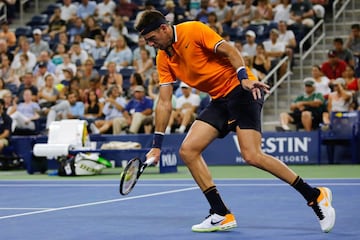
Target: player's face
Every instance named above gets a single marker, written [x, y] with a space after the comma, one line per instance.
[158, 38]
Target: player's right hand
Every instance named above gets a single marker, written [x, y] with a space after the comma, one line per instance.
[154, 152]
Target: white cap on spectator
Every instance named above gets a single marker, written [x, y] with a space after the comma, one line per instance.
[250, 33]
[37, 31]
[184, 85]
[340, 81]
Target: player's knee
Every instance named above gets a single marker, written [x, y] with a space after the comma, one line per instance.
[187, 152]
[251, 157]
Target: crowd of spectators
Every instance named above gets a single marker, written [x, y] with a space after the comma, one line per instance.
[88, 62]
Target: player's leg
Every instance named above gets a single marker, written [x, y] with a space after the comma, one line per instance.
[318, 198]
[211, 123]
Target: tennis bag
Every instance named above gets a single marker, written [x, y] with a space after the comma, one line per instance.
[82, 164]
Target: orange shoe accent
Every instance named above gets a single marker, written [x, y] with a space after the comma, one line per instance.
[228, 218]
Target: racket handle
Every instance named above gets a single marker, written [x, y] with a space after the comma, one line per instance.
[149, 161]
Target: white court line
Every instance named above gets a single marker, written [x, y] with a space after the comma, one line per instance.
[97, 203]
[174, 184]
[10, 208]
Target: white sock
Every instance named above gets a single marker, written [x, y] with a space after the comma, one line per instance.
[182, 129]
[285, 127]
[168, 130]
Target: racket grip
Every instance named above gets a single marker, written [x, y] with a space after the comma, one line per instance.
[150, 161]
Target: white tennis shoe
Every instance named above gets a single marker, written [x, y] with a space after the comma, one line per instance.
[216, 222]
[324, 210]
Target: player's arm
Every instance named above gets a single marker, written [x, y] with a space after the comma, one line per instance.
[163, 111]
[235, 58]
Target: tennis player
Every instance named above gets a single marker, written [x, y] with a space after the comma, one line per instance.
[198, 56]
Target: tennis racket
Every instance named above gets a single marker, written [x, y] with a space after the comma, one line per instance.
[133, 170]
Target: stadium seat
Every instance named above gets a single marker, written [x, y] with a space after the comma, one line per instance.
[23, 31]
[38, 20]
[344, 129]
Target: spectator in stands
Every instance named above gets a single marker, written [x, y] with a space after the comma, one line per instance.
[8, 74]
[202, 14]
[142, 45]
[213, 23]
[282, 11]
[99, 51]
[111, 78]
[5, 126]
[306, 110]
[63, 39]
[41, 73]
[288, 37]
[140, 9]
[47, 95]
[169, 12]
[265, 9]
[238, 44]
[105, 10]
[27, 83]
[137, 109]
[352, 83]
[260, 61]
[78, 55]
[248, 63]
[153, 86]
[250, 45]
[7, 35]
[86, 8]
[144, 65]
[121, 54]
[338, 101]
[67, 64]
[77, 28]
[275, 50]
[334, 67]
[343, 53]
[56, 24]
[117, 29]
[223, 12]
[57, 57]
[68, 11]
[8, 98]
[258, 19]
[302, 13]
[321, 82]
[135, 80]
[2, 87]
[113, 113]
[44, 57]
[242, 14]
[5, 50]
[24, 49]
[24, 113]
[71, 108]
[126, 9]
[353, 43]
[92, 29]
[93, 108]
[186, 108]
[22, 69]
[86, 73]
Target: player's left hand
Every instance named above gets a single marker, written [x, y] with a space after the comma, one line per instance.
[255, 87]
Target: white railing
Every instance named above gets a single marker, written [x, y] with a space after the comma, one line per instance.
[22, 3]
[313, 43]
[3, 11]
[340, 11]
[276, 83]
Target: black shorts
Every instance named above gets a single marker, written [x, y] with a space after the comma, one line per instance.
[238, 108]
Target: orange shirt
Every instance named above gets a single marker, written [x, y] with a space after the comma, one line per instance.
[195, 62]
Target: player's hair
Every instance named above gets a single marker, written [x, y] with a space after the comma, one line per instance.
[149, 21]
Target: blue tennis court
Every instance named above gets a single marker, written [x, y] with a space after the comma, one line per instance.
[166, 209]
